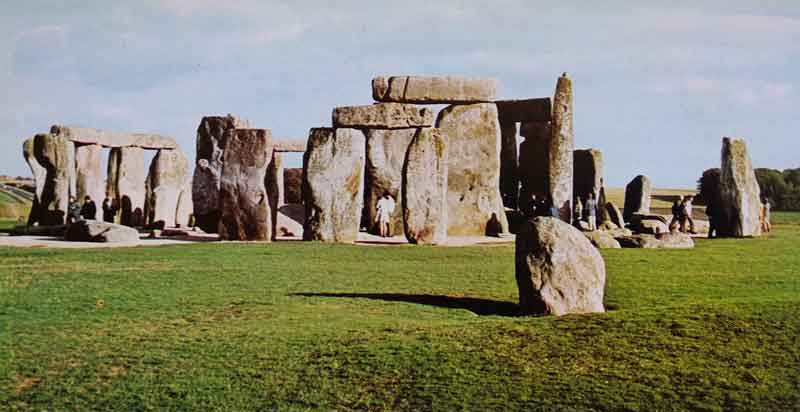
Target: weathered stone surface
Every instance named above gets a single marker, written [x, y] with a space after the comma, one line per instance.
[90, 180]
[167, 176]
[425, 177]
[383, 116]
[112, 174]
[616, 232]
[289, 146]
[208, 169]
[386, 154]
[675, 241]
[509, 181]
[472, 133]
[243, 203]
[534, 162]
[57, 155]
[274, 184]
[588, 173]
[97, 231]
[85, 135]
[333, 188]
[39, 173]
[183, 216]
[560, 149]
[637, 197]
[614, 214]
[558, 271]
[639, 241]
[739, 192]
[131, 184]
[525, 110]
[602, 240]
[648, 224]
[433, 90]
[293, 185]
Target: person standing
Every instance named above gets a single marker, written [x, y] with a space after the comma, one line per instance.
[591, 212]
[677, 215]
[89, 209]
[384, 211]
[578, 211]
[109, 210]
[687, 213]
[766, 225]
[73, 210]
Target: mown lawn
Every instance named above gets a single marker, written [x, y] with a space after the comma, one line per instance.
[299, 326]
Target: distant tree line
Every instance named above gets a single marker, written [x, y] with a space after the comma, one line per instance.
[782, 188]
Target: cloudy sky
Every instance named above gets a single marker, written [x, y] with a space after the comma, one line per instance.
[656, 86]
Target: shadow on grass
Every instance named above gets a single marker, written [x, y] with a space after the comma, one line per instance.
[480, 307]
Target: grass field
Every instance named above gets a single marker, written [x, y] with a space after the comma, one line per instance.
[300, 326]
[12, 209]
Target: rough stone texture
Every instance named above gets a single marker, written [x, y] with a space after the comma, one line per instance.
[243, 203]
[675, 241]
[383, 116]
[509, 181]
[90, 179]
[433, 90]
[533, 161]
[739, 192]
[588, 173]
[602, 240]
[57, 155]
[560, 150]
[558, 271]
[425, 188]
[39, 173]
[616, 232]
[648, 224]
[333, 189]
[293, 185]
[112, 174]
[97, 231]
[386, 154]
[289, 146]
[274, 184]
[183, 214]
[526, 110]
[131, 185]
[637, 197]
[602, 214]
[167, 176]
[614, 214]
[208, 169]
[473, 145]
[85, 135]
[639, 241]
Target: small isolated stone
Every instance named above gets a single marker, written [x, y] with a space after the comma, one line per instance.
[383, 116]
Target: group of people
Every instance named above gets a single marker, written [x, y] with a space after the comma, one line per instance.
[586, 211]
[540, 206]
[682, 214]
[88, 210]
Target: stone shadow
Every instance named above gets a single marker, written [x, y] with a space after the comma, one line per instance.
[478, 306]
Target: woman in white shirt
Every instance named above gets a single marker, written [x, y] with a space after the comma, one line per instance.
[384, 211]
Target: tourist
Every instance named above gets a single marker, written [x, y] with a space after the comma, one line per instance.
[384, 211]
[677, 215]
[530, 210]
[766, 225]
[73, 210]
[109, 210]
[687, 214]
[578, 210]
[89, 209]
[591, 212]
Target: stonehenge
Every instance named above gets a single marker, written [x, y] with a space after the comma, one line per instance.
[89, 173]
[383, 116]
[385, 156]
[433, 90]
[165, 182]
[637, 197]
[739, 192]
[424, 194]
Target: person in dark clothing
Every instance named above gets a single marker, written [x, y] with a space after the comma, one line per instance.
[712, 220]
[109, 210]
[677, 214]
[73, 210]
[89, 209]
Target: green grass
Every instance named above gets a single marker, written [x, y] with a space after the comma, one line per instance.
[300, 326]
[12, 208]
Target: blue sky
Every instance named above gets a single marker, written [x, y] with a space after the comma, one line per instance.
[656, 86]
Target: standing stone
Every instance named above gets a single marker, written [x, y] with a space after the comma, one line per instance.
[89, 175]
[168, 172]
[183, 214]
[558, 271]
[208, 169]
[473, 146]
[637, 197]
[386, 153]
[333, 190]
[131, 185]
[383, 116]
[425, 188]
[615, 216]
[57, 155]
[534, 160]
[39, 177]
[509, 181]
[293, 185]
[112, 174]
[560, 150]
[588, 173]
[602, 214]
[739, 190]
[433, 90]
[243, 203]
[274, 184]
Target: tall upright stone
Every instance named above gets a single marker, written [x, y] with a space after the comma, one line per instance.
[208, 169]
[90, 180]
[243, 202]
[534, 162]
[131, 185]
[560, 151]
[588, 173]
[637, 197]
[39, 173]
[739, 192]
[425, 188]
[183, 215]
[473, 145]
[275, 189]
[57, 155]
[509, 181]
[386, 154]
[167, 175]
[112, 174]
[333, 190]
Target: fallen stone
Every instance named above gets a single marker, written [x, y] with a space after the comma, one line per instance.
[602, 240]
[433, 90]
[526, 110]
[85, 135]
[244, 207]
[57, 155]
[675, 240]
[333, 167]
[97, 231]
[639, 241]
[166, 179]
[617, 232]
[90, 179]
[383, 116]
[558, 271]
[740, 206]
[648, 224]
[473, 145]
[637, 197]
[386, 154]
[425, 188]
